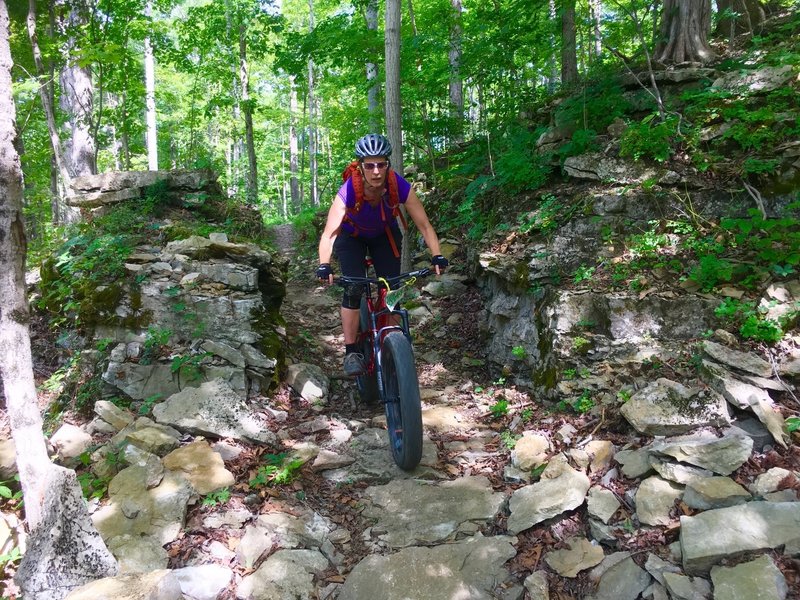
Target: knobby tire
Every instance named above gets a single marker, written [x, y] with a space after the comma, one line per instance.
[403, 409]
[367, 383]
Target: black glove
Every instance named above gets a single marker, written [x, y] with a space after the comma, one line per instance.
[440, 261]
[324, 271]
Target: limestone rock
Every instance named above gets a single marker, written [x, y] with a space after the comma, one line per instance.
[708, 537]
[308, 381]
[655, 499]
[579, 555]
[705, 450]
[537, 586]
[769, 482]
[213, 409]
[203, 582]
[743, 361]
[65, 551]
[624, 580]
[109, 412]
[762, 80]
[714, 492]
[635, 463]
[560, 489]
[602, 504]
[411, 512]
[327, 459]
[530, 451]
[8, 458]
[666, 407]
[138, 553]
[203, 467]
[158, 585]
[70, 441]
[283, 531]
[759, 578]
[681, 587]
[285, 574]
[472, 569]
[677, 472]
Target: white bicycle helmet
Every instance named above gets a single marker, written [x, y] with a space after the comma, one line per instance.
[373, 144]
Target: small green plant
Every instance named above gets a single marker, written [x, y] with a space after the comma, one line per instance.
[526, 415]
[792, 424]
[156, 339]
[499, 409]
[711, 271]
[650, 138]
[509, 439]
[570, 373]
[536, 473]
[189, 367]
[148, 403]
[10, 494]
[93, 486]
[103, 344]
[276, 471]
[519, 352]
[580, 343]
[583, 273]
[584, 403]
[585, 324]
[624, 395]
[217, 497]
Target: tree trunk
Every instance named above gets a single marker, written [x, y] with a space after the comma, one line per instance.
[456, 82]
[61, 212]
[595, 11]
[552, 60]
[16, 367]
[423, 106]
[569, 55]
[373, 86]
[312, 117]
[393, 108]
[249, 136]
[77, 94]
[150, 97]
[684, 32]
[739, 16]
[294, 183]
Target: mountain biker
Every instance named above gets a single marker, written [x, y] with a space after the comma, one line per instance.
[361, 221]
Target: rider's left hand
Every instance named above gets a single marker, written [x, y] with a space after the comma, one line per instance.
[440, 263]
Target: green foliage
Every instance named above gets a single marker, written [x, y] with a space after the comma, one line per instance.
[155, 341]
[584, 403]
[93, 486]
[650, 138]
[189, 368]
[147, 404]
[278, 470]
[583, 273]
[519, 352]
[594, 109]
[527, 415]
[750, 320]
[624, 395]
[499, 409]
[792, 424]
[216, 497]
[509, 438]
[711, 271]
[580, 343]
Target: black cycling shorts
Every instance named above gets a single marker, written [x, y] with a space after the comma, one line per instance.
[351, 252]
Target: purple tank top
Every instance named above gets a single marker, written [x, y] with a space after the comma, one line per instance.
[369, 221]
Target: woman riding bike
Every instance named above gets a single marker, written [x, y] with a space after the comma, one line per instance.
[361, 222]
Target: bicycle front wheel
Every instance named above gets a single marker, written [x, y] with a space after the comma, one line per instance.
[403, 408]
[368, 382]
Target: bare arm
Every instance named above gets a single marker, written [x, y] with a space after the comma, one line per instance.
[335, 216]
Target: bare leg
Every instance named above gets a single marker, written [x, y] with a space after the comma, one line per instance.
[350, 325]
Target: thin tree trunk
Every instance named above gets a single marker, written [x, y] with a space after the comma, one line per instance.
[394, 111]
[150, 96]
[77, 102]
[569, 56]
[294, 183]
[423, 107]
[595, 11]
[312, 114]
[16, 366]
[552, 60]
[685, 25]
[372, 71]
[62, 212]
[456, 82]
[252, 165]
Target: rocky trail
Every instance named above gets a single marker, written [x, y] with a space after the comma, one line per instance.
[660, 494]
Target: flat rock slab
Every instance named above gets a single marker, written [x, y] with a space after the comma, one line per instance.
[561, 488]
[203, 467]
[285, 574]
[722, 455]
[472, 569]
[213, 409]
[414, 512]
[710, 536]
[623, 581]
[759, 578]
[158, 585]
[743, 361]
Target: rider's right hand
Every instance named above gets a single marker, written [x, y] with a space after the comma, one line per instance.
[325, 272]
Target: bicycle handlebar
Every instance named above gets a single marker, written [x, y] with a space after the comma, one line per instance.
[345, 279]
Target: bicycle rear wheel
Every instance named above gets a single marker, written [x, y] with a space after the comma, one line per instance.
[368, 382]
[403, 409]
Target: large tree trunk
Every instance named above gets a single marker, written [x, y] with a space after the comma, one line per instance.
[595, 12]
[77, 93]
[61, 212]
[684, 32]
[423, 105]
[16, 366]
[569, 55]
[294, 182]
[372, 71]
[456, 82]
[150, 96]
[393, 108]
[312, 117]
[552, 59]
[249, 136]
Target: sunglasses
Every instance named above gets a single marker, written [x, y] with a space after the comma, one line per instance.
[370, 166]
